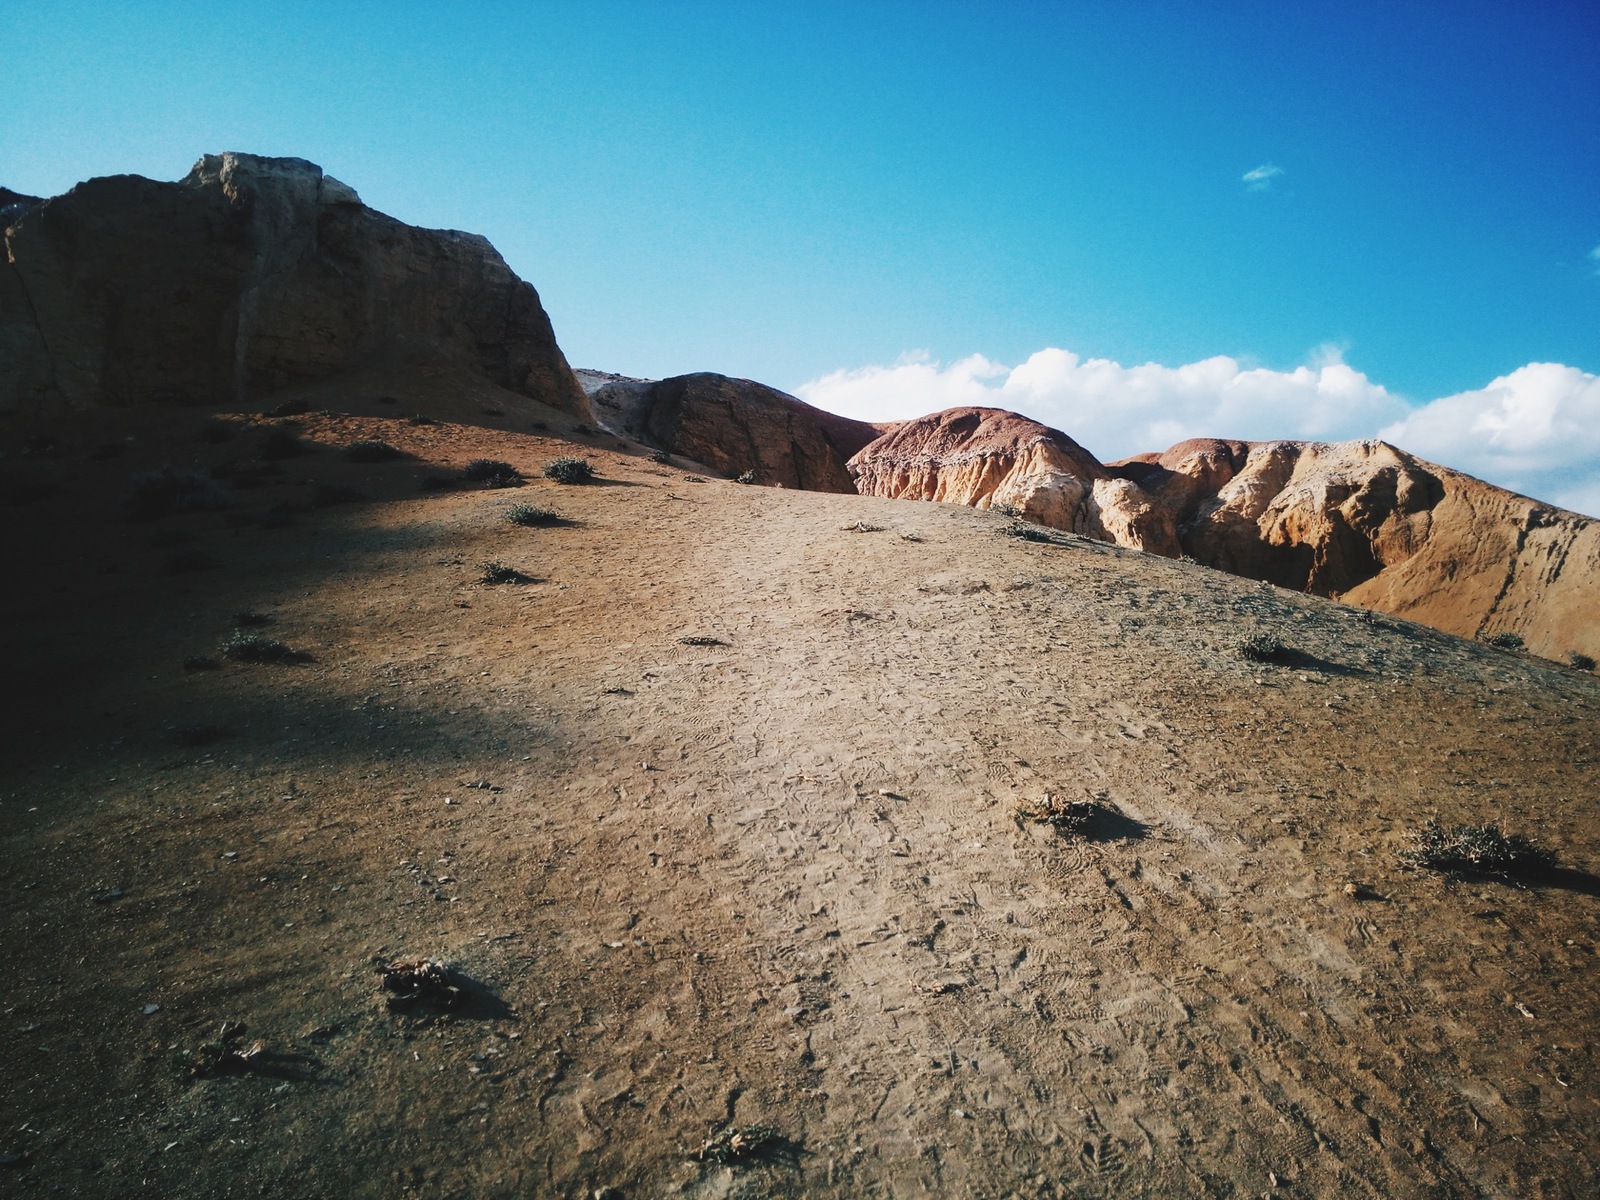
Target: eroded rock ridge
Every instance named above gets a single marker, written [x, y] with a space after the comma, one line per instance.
[1363, 521]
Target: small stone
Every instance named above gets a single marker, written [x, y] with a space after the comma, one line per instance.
[150, 1010]
[607, 1193]
[107, 896]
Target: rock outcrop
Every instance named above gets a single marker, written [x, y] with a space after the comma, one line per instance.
[735, 426]
[988, 457]
[248, 275]
[1363, 521]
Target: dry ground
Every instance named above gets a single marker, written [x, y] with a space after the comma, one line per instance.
[776, 880]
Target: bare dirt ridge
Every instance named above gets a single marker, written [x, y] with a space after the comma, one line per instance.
[712, 821]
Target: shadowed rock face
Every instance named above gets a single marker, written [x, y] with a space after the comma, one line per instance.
[736, 425]
[248, 275]
[1362, 521]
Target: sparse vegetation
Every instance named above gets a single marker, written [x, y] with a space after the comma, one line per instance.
[698, 640]
[1479, 849]
[1006, 510]
[227, 1055]
[694, 478]
[569, 469]
[158, 493]
[496, 573]
[419, 419]
[860, 527]
[737, 1143]
[1071, 817]
[1261, 647]
[747, 477]
[532, 514]
[1579, 662]
[660, 456]
[493, 473]
[254, 648]
[372, 452]
[1026, 532]
[421, 983]
[1505, 641]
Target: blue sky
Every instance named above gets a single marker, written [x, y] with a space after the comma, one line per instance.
[787, 192]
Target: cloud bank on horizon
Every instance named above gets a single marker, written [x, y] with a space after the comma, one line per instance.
[1535, 430]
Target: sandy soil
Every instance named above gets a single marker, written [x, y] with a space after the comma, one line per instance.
[775, 880]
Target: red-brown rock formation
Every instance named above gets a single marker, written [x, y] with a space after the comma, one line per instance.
[248, 275]
[988, 457]
[1363, 520]
[735, 426]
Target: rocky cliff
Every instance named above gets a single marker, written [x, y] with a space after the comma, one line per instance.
[1363, 521]
[248, 275]
[988, 457]
[735, 426]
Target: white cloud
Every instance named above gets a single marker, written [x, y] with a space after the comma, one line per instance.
[1115, 411]
[1594, 257]
[1259, 179]
[1536, 431]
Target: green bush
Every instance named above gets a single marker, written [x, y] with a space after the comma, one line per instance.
[1505, 641]
[372, 452]
[1579, 662]
[1261, 647]
[532, 514]
[569, 469]
[491, 472]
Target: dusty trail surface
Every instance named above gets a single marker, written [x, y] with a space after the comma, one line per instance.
[772, 878]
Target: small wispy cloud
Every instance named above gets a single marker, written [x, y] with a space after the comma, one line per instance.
[1594, 257]
[1259, 179]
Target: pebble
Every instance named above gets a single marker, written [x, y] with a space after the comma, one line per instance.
[106, 897]
[150, 1010]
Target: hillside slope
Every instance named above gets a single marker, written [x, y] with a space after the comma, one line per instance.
[1363, 521]
[769, 875]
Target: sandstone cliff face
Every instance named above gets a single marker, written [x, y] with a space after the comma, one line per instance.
[1363, 521]
[735, 426]
[987, 457]
[248, 275]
